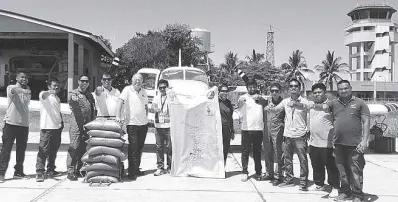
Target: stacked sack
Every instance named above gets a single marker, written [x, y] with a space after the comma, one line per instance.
[103, 161]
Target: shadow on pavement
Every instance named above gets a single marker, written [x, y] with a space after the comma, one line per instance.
[370, 197]
[232, 173]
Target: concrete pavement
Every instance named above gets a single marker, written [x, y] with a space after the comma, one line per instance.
[381, 174]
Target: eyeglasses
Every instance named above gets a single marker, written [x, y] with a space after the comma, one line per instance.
[84, 81]
[106, 79]
[274, 91]
[293, 86]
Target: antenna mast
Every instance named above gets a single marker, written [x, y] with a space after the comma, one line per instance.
[270, 54]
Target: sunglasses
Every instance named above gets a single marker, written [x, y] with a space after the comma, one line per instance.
[106, 79]
[274, 91]
[84, 81]
[163, 87]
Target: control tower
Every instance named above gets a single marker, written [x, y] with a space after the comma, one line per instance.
[371, 39]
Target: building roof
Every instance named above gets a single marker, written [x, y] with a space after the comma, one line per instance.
[64, 28]
[371, 7]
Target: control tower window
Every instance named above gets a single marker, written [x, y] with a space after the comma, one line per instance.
[363, 15]
[382, 15]
[374, 15]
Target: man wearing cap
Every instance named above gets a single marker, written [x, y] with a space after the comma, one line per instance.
[81, 103]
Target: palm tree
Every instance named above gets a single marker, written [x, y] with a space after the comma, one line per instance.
[296, 67]
[255, 57]
[329, 69]
[231, 60]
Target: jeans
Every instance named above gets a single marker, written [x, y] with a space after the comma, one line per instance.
[321, 158]
[50, 141]
[163, 145]
[136, 136]
[76, 150]
[272, 144]
[350, 164]
[300, 146]
[226, 140]
[11, 133]
[250, 138]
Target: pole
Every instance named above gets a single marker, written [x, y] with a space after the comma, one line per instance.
[179, 57]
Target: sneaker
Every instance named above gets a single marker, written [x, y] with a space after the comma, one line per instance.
[343, 197]
[356, 199]
[286, 184]
[20, 176]
[159, 172]
[268, 178]
[244, 177]
[334, 193]
[258, 177]
[1, 178]
[303, 188]
[318, 188]
[72, 177]
[39, 178]
[276, 182]
[53, 173]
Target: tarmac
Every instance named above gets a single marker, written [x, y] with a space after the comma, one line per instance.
[380, 176]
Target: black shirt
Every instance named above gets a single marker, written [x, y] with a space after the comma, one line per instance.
[226, 111]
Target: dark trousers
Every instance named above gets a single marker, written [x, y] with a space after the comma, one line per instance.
[322, 158]
[136, 136]
[50, 141]
[272, 144]
[250, 138]
[76, 150]
[163, 145]
[350, 164]
[300, 146]
[226, 140]
[11, 133]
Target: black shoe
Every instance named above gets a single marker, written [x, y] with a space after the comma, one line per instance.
[132, 177]
[303, 188]
[72, 177]
[268, 178]
[139, 173]
[276, 182]
[39, 178]
[286, 184]
[20, 176]
[53, 173]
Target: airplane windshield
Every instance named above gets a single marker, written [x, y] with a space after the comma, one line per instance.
[196, 76]
[176, 74]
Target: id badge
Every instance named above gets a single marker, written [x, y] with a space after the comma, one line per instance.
[161, 118]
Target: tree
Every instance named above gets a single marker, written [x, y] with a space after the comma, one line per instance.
[157, 49]
[296, 67]
[329, 69]
[231, 60]
[255, 57]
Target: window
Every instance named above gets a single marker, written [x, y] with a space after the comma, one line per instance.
[176, 74]
[149, 81]
[382, 15]
[195, 75]
[363, 15]
[366, 76]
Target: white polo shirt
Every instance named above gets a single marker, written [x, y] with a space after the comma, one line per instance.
[50, 112]
[251, 114]
[134, 106]
[163, 104]
[18, 108]
[106, 103]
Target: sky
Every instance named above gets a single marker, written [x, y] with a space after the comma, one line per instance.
[312, 26]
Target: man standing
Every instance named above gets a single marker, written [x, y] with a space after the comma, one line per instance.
[295, 134]
[251, 109]
[16, 126]
[160, 105]
[226, 112]
[135, 101]
[51, 126]
[321, 143]
[273, 138]
[106, 97]
[81, 103]
[351, 125]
